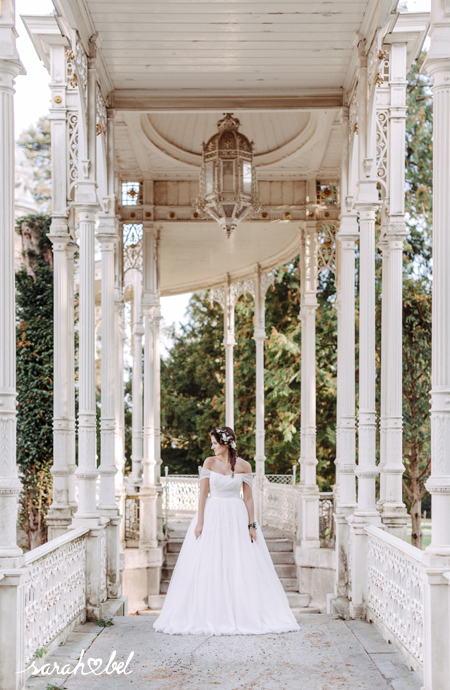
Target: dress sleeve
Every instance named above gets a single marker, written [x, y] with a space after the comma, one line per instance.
[248, 479]
[204, 473]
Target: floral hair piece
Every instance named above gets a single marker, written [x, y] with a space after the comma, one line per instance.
[227, 440]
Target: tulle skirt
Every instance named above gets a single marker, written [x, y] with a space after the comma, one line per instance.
[223, 584]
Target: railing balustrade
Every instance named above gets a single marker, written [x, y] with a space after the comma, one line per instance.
[396, 593]
[54, 591]
[132, 520]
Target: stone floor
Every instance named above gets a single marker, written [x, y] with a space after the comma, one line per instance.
[327, 654]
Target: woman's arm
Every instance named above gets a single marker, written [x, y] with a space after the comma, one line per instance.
[204, 488]
[248, 500]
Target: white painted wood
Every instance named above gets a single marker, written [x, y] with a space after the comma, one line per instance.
[308, 532]
[10, 68]
[137, 334]
[345, 421]
[394, 515]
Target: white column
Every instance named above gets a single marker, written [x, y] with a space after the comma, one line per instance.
[345, 423]
[260, 336]
[157, 413]
[437, 593]
[138, 332]
[308, 533]
[59, 515]
[72, 247]
[384, 248]
[394, 515]
[11, 558]
[107, 237]
[366, 471]
[86, 205]
[229, 343]
[10, 67]
[87, 471]
[148, 537]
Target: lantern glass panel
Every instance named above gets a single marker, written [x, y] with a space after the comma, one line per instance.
[228, 182]
[209, 188]
[247, 177]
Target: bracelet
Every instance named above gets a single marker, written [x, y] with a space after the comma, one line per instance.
[252, 525]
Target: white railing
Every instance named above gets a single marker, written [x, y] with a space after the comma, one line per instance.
[396, 592]
[54, 590]
[181, 494]
[279, 502]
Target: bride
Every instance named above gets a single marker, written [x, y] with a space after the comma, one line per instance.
[224, 581]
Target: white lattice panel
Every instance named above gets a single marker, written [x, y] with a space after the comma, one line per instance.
[279, 505]
[181, 494]
[395, 589]
[54, 593]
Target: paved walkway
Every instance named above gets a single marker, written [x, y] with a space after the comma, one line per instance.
[327, 654]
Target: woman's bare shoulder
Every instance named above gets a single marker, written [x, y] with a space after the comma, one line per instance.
[244, 466]
[209, 463]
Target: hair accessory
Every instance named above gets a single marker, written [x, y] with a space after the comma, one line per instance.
[226, 438]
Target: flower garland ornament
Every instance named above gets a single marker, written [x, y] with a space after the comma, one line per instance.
[226, 438]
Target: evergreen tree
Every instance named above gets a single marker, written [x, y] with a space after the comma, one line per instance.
[34, 299]
[36, 143]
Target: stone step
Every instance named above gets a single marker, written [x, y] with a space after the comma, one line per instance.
[290, 584]
[166, 573]
[282, 557]
[284, 571]
[279, 545]
[297, 600]
[174, 545]
[164, 586]
[170, 560]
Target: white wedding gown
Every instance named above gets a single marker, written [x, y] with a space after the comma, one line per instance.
[223, 584]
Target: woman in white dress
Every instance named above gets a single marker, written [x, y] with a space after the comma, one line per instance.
[224, 581]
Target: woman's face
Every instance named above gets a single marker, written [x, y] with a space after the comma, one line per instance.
[218, 448]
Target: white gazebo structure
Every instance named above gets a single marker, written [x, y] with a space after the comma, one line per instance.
[136, 88]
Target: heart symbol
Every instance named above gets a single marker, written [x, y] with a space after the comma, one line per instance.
[96, 663]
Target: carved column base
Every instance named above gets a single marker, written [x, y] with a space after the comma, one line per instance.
[395, 519]
[96, 583]
[58, 521]
[148, 518]
[308, 532]
[342, 549]
[357, 557]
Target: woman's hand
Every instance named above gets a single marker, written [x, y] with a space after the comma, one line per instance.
[252, 533]
[198, 529]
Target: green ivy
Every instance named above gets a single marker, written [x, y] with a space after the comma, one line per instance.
[34, 333]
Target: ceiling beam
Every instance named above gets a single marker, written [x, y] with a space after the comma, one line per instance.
[148, 101]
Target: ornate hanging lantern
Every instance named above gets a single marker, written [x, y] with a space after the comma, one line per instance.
[228, 191]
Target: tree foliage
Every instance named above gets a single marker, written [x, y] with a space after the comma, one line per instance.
[34, 299]
[36, 143]
[193, 379]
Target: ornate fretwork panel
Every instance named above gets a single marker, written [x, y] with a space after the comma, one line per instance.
[72, 119]
[396, 594]
[267, 280]
[353, 115]
[77, 68]
[326, 247]
[237, 289]
[381, 144]
[279, 504]
[54, 594]
[101, 116]
[133, 246]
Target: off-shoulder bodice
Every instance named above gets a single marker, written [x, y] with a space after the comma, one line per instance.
[225, 485]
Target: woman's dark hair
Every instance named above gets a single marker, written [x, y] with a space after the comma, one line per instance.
[226, 436]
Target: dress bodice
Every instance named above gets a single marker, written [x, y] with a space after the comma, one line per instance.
[225, 485]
